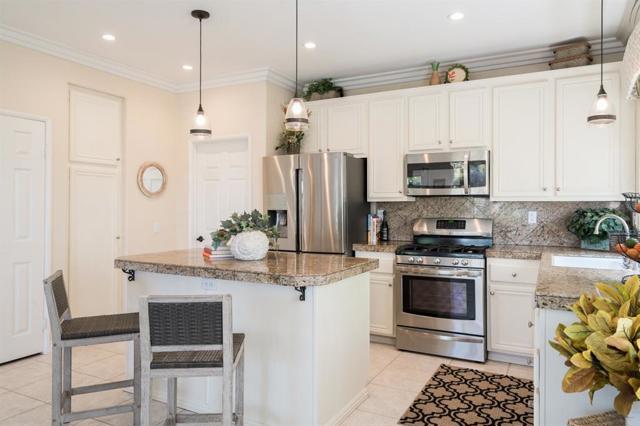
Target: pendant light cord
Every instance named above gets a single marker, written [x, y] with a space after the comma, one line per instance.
[601, 44]
[296, 91]
[200, 67]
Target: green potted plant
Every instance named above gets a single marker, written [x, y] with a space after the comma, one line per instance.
[602, 347]
[247, 235]
[583, 223]
[290, 141]
[324, 88]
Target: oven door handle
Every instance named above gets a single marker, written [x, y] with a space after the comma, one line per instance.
[466, 173]
[436, 272]
[447, 338]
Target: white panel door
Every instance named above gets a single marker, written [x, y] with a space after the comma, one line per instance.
[427, 123]
[587, 157]
[387, 143]
[22, 236]
[469, 118]
[95, 130]
[511, 311]
[222, 184]
[94, 240]
[347, 128]
[314, 136]
[523, 157]
[381, 304]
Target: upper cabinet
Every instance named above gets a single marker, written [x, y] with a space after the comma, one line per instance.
[339, 127]
[523, 129]
[428, 122]
[314, 137]
[469, 118]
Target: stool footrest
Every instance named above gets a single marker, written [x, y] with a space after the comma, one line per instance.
[100, 387]
[197, 418]
[97, 412]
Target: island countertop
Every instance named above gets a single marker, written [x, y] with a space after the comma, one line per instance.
[281, 268]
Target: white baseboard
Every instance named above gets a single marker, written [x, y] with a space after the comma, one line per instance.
[341, 416]
[382, 339]
[513, 359]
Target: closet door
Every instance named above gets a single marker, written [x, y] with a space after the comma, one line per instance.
[95, 207]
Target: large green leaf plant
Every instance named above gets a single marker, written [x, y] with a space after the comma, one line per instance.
[602, 347]
[246, 221]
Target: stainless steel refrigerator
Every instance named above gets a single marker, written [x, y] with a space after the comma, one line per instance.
[318, 201]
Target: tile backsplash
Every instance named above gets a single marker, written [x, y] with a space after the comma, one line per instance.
[510, 219]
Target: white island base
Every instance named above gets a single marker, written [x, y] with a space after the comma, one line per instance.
[306, 362]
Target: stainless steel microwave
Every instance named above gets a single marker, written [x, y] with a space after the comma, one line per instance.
[448, 173]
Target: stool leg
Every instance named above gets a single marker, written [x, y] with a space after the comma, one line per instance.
[240, 391]
[136, 381]
[145, 398]
[66, 380]
[172, 397]
[56, 385]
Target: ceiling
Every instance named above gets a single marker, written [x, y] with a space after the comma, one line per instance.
[353, 37]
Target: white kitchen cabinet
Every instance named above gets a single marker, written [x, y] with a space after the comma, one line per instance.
[511, 305]
[587, 158]
[469, 118]
[523, 143]
[387, 142]
[428, 123]
[315, 136]
[381, 282]
[347, 128]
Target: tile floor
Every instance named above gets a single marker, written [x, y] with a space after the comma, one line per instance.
[395, 378]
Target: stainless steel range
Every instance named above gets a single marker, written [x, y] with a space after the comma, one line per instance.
[440, 288]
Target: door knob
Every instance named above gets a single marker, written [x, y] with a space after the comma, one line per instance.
[492, 293]
[200, 239]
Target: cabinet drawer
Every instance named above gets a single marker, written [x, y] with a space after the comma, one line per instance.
[513, 271]
[385, 260]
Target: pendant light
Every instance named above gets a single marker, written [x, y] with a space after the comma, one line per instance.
[296, 118]
[201, 127]
[602, 111]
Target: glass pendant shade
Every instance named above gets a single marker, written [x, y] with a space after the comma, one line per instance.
[602, 111]
[201, 124]
[297, 117]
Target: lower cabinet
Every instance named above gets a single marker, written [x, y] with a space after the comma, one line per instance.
[511, 306]
[382, 320]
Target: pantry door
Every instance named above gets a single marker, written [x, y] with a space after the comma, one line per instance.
[220, 184]
[23, 236]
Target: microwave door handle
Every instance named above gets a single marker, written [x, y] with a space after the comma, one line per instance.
[466, 173]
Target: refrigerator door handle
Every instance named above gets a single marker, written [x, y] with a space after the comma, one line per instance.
[299, 231]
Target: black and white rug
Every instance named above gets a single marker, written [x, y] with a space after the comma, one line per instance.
[460, 396]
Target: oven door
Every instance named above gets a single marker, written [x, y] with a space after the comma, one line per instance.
[442, 299]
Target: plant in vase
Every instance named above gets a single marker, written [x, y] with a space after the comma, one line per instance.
[248, 235]
[602, 347]
[324, 88]
[290, 141]
[435, 73]
[583, 223]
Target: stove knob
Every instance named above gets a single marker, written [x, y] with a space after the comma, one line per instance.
[465, 262]
[455, 261]
[436, 261]
[419, 260]
[411, 260]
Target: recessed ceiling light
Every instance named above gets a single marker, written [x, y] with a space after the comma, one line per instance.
[456, 16]
[187, 67]
[310, 45]
[108, 37]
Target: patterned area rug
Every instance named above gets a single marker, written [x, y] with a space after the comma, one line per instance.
[461, 396]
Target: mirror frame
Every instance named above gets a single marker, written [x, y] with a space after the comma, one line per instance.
[141, 171]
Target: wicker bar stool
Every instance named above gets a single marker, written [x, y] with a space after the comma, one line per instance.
[191, 336]
[67, 333]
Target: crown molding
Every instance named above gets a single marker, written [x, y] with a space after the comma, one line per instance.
[243, 77]
[475, 64]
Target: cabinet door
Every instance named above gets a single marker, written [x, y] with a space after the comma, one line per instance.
[587, 158]
[523, 141]
[347, 128]
[511, 312]
[427, 123]
[387, 143]
[314, 136]
[381, 304]
[469, 118]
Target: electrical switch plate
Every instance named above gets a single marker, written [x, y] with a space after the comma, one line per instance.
[533, 217]
[208, 284]
[156, 227]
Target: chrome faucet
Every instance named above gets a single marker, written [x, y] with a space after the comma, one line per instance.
[611, 216]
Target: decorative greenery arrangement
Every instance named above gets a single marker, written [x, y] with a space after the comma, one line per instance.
[602, 348]
[290, 141]
[237, 223]
[583, 223]
[321, 87]
[435, 66]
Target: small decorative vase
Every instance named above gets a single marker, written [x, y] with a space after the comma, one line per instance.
[435, 75]
[633, 419]
[249, 245]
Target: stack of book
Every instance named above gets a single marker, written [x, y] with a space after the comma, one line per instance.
[221, 252]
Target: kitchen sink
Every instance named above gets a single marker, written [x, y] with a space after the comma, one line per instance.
[588, 262]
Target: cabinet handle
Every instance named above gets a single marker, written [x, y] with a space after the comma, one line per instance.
[328, 150]
[492, 292]
[117, 159]
[515, 274]
[118, 237]
[439, 142]
[558, 188]
[529, 361]
[319, 149]
[544, 188]
[530, 324]
[399, 191]
[390, 285]
[451, 141]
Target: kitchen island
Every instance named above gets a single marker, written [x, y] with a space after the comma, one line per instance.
[306, 321]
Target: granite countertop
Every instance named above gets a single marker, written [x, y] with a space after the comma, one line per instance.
[281, 268]
[559, 287]
[382, 247]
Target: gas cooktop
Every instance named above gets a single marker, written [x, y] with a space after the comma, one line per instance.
[441, 250]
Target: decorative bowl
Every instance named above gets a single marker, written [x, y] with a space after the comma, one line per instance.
[249, 245]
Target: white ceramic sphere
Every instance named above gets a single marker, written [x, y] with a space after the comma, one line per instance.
[249, 245]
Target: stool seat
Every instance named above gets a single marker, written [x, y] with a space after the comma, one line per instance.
[195, 359]
[100, 326]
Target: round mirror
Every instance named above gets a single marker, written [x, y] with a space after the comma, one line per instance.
[151, 179]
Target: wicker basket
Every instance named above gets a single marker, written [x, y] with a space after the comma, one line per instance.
[572, 61]
[570, 50]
